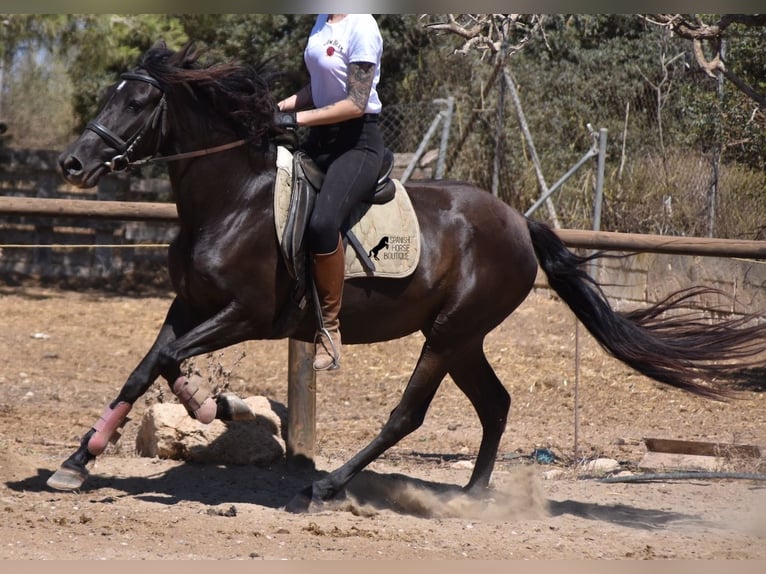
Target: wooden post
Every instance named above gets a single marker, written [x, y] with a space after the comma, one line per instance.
[301, 403]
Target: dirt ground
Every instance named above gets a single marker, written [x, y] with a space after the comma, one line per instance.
[64, 355]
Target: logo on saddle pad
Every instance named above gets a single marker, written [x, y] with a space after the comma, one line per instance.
[381, 240]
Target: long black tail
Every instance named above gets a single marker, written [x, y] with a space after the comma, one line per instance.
[681, 349]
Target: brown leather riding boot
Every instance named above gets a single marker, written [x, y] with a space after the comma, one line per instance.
[328, 270]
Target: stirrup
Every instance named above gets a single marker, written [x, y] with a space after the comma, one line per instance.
[333, 350]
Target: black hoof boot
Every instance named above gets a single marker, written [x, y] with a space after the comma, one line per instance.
[74, 471]
[68, 477]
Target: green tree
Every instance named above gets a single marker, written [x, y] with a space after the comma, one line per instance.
[101, 46]
[38, 117]
[280, 39]
[104, 45]
[25, 33]
[729, 57]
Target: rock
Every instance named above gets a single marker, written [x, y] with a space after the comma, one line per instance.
[601, 466]
[553, 474]
[167, 431]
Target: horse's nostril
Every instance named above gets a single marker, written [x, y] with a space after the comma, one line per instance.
[71, 165]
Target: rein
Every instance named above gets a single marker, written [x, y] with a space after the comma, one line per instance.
[121, 161]
[190, 154]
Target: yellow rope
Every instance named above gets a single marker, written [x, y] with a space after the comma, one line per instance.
[87, 246]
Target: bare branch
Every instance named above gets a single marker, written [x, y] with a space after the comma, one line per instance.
[692, 27]
[710, 66]
[490, 33]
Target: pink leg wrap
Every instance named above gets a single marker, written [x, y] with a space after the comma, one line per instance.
[195, 398]
[111, 419]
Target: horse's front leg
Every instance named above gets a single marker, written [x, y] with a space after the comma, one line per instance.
[179, 338]
[73, 472]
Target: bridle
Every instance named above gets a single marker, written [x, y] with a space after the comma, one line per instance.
[122, 161]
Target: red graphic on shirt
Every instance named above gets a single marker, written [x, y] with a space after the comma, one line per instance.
[330, 50]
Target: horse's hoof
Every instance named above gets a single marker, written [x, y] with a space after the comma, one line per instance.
[67, 479]
[232, 408]
[300, 503]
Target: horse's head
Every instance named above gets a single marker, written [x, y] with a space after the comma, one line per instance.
[165, 96]
[127, 128]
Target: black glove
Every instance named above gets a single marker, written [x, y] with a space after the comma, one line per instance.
[285, 120]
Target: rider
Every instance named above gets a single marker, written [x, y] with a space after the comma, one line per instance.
[340, 106]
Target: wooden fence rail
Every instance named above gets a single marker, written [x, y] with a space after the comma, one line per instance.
[601, 240]
[121, 210]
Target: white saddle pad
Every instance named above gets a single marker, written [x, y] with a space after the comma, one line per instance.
[389, 233]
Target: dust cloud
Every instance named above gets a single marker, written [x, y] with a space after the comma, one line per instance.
[517, 496]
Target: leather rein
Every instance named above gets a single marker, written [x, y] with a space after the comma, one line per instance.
[122, 161]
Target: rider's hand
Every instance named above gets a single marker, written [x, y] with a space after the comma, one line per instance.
[285, 120]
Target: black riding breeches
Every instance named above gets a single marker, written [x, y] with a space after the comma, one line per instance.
[351, 153]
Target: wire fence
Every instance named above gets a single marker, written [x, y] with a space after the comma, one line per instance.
[404, 126]
[658, 179]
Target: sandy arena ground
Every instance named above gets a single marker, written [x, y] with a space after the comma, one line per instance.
[64, 355]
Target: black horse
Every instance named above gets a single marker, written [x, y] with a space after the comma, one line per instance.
[213, 124]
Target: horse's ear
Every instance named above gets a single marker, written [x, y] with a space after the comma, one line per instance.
[160, 44]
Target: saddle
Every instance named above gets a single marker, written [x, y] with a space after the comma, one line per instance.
[382, 233]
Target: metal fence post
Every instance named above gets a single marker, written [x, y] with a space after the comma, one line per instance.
[442, 161]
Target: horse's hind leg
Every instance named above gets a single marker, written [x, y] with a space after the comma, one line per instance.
[404, 419]
[474, 376]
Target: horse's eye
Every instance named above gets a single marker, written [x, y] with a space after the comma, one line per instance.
[134, 106]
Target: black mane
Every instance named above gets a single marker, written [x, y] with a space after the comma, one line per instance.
[241, 93]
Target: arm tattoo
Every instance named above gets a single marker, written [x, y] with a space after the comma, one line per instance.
[360, 76]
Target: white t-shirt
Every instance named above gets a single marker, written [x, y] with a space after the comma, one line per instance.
[330, 49]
